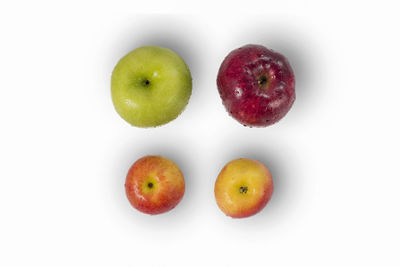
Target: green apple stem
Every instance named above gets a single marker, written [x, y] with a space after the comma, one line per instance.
[146, 82]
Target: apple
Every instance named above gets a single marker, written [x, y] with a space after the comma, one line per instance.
[243, 188]
[256, 85]
[154, 185]
[150, 86]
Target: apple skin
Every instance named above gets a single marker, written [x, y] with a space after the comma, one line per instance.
[256, 85]
[154, 185]
[150, 86]
[243, 188]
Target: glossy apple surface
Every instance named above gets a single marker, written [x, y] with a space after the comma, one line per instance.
[243, 188]
[154, 185]
[256, 85]
[150, 86]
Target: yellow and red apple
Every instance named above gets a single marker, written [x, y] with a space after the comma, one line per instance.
[243, 188]
[154, 185]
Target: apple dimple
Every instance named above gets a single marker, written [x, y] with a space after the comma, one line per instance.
[263, 81]
[145, 82]
[243, 189]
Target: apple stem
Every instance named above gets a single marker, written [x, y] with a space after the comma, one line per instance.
[243, 190]
[150, 185]
[146, 82]
[262, 80]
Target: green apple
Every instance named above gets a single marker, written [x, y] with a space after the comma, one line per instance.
[150, 86]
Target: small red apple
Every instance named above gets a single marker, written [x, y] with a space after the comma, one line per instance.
[154, 185]
[256, 85]
[243, 188]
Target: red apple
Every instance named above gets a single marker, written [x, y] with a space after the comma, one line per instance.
[243, 188]
[256, 85]
[154, 185]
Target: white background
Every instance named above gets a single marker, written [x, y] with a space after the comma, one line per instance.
[64, 151]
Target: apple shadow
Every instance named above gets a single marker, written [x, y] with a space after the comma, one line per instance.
[282, 164]
[175, 150]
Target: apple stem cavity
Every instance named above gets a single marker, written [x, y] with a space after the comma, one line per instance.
[263, 80]
[150, 185]
[243, 189]
[146, 82]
